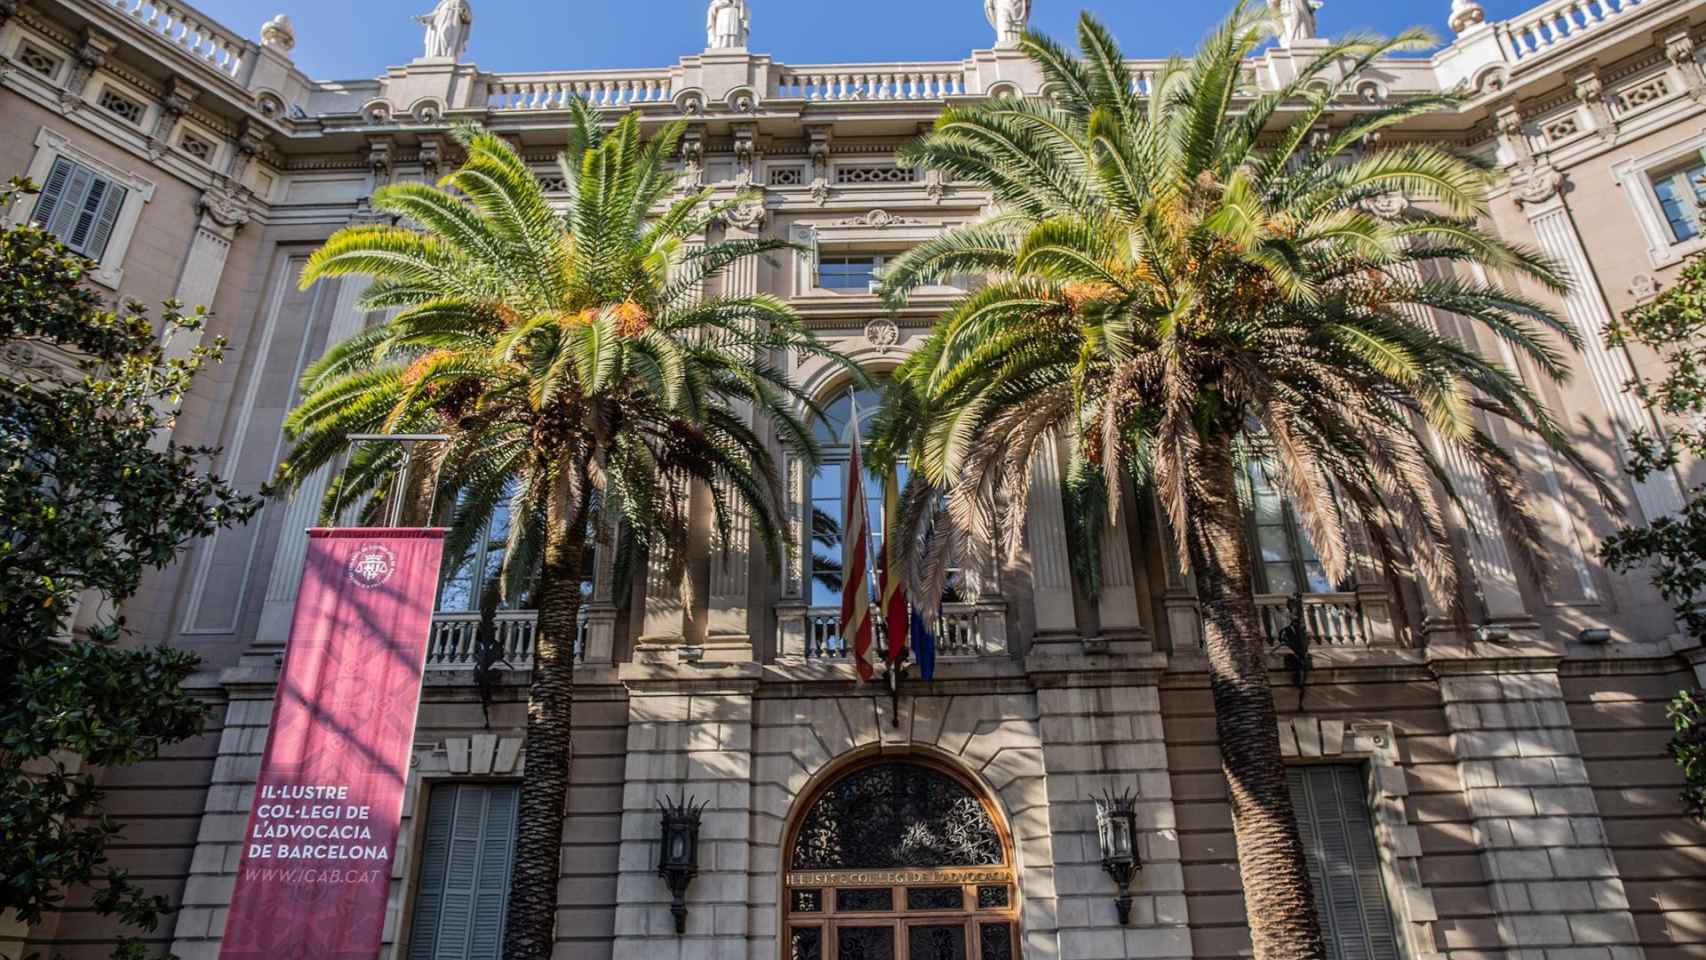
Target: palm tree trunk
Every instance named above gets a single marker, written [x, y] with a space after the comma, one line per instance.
[530, 921]
[1278, 899]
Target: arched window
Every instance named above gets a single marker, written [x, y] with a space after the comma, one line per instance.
[899, 860]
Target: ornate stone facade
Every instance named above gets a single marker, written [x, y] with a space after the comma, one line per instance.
[1516, 783]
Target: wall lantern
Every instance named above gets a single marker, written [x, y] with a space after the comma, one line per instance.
[678, 856]
[1116, 831]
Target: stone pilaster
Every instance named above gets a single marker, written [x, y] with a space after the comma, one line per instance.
[1111, 738]
[692, 744]
[1045, 535]
[222, 213]
[728, 623]
[304, 506]
[1120, 604]
[1554, 887]
[1540, 191]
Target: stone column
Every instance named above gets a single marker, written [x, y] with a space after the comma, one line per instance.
[693, 744]
[303, 508]
[1539, 190]
[1111, 738]
[601, 609]
[728, 623]
[1119, 605]
[791, 609]
[1045, 535]
[1554, 886]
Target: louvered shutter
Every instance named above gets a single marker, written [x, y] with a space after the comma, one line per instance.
[52, 192]
[464, 877]
[79, 206]
[105, 217]
[1344, 864]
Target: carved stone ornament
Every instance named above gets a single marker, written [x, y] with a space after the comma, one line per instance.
[882, 334]
[1643, 287]
[1390, 204]
[224, 206]
[8, 9]
[1466, 14]
[746, 215]
[279, 34]
[448, 25]
[820, 190]
[1538, 184]
[878, 219]
[1009, 18]
[935, 185]
[727, 25]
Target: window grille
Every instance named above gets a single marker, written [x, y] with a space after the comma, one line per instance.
[121, 106]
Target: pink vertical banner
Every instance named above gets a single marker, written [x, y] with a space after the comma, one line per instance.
[316, 865]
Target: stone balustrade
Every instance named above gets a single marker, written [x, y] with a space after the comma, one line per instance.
[1521, 39]
[451, 643]
[1539, 30]
[603, 89]
[1333, 619]
[191, 31]
[957, 634]
[874, 81]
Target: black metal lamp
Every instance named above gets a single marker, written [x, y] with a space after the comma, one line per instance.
[678, 857]
[1116, 832]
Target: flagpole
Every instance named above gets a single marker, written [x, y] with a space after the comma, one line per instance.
[892, 673]
[870, 548]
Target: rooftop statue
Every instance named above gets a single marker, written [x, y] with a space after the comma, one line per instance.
[1009, 18]
[1294, 20]
[726, 24]
[447, 27]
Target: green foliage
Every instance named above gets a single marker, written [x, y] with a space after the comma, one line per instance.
[89, 500]
[546, 342]
[1688, 716]
[1672, 548]
[1158, 282]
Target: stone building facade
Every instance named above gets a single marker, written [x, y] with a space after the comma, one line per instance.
[1492, 785]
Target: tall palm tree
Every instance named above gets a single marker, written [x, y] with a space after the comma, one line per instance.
[1191, 275]
[579, 371]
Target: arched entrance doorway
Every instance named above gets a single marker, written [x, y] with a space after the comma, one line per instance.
[899, 859]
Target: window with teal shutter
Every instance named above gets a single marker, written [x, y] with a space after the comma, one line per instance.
[464, 874]
[79, 206]
[1344, 865]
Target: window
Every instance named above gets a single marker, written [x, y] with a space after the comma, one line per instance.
[1285, 560]
[463, 885]
[1680, 192]
[931, 879]
[849, 273]
[37, 60]
[79, 206]
[121, 106]
[1344, 865]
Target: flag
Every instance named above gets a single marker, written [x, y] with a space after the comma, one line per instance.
[855, 549]
[889, 588]
[923, 646]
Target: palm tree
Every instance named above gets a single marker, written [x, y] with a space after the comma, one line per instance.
[1188, 276]
[579, 372]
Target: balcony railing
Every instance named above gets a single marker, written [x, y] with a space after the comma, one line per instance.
[451, 643]
[1332, 619]
[957, 634]
[190, 30]
[877, 81]
[552, 91]
[1538, 30]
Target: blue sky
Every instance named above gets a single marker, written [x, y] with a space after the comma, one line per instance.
[349, 39]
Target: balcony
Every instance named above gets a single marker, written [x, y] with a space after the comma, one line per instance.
[450, 646]
[1332, 619]
[958, 635]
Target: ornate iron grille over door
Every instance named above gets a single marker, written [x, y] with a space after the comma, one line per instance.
[899, 860]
